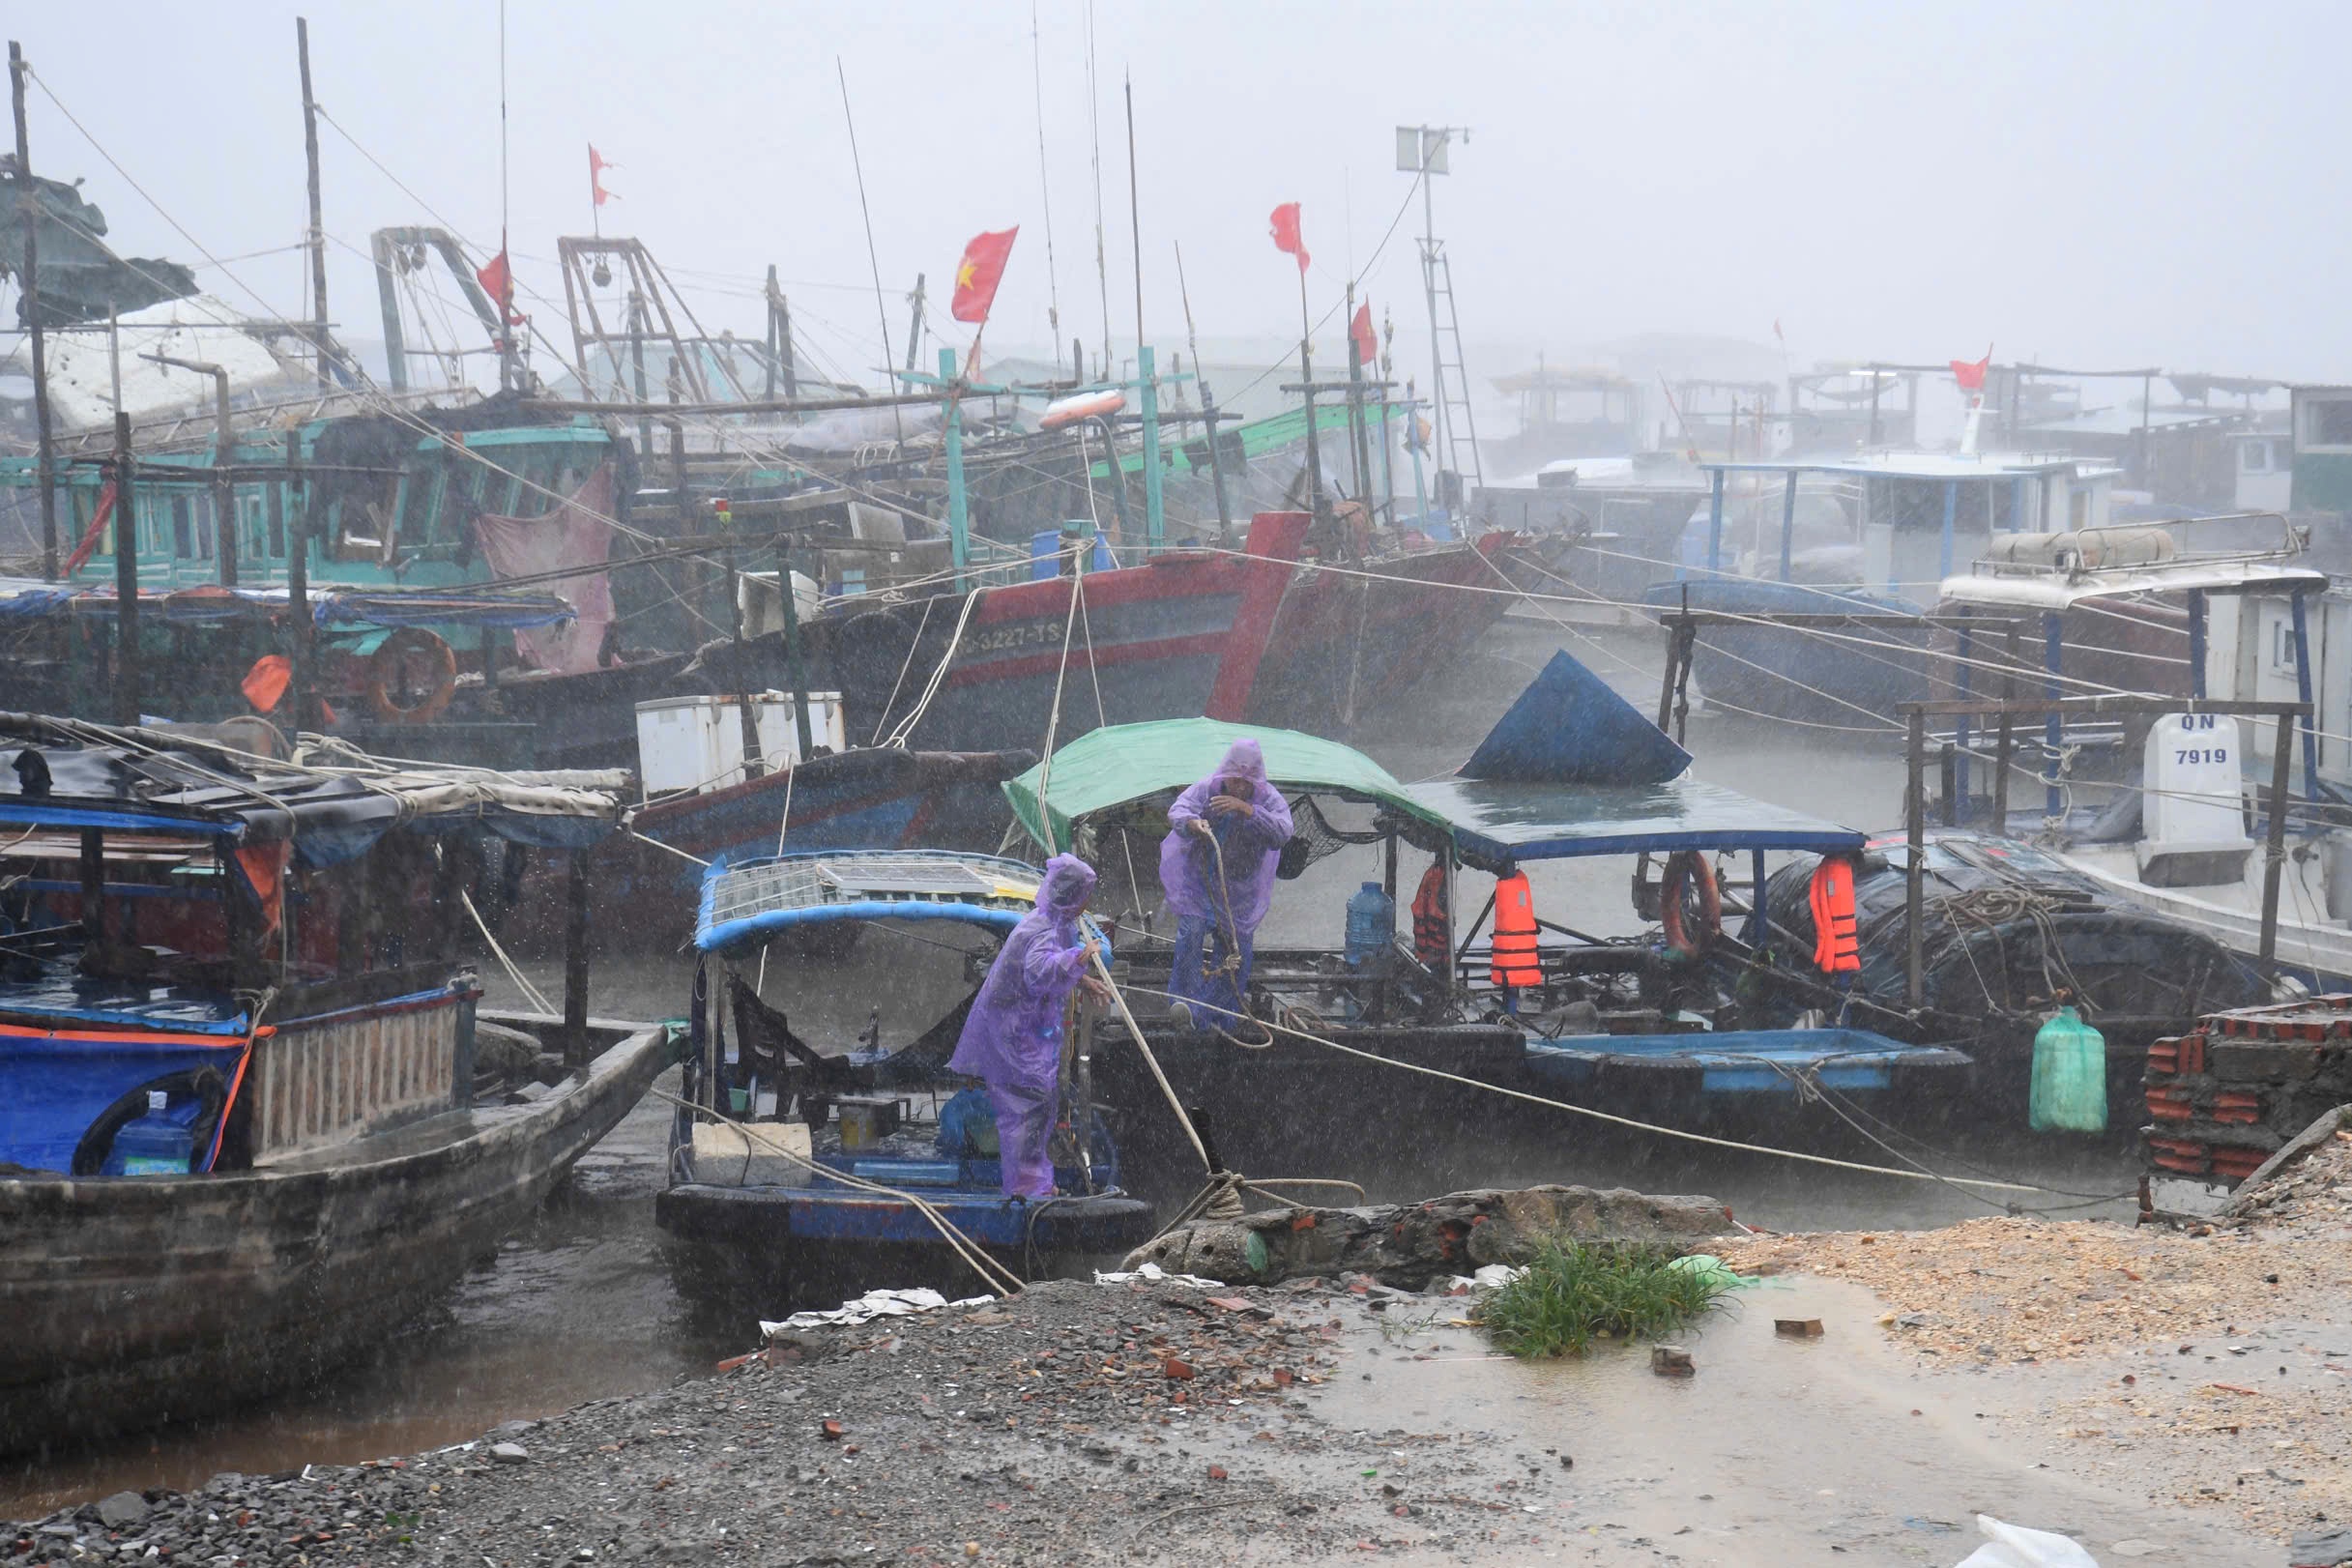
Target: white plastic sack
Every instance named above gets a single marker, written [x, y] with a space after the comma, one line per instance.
[2010, 1546]
[868, 1307]
[1155, 1273]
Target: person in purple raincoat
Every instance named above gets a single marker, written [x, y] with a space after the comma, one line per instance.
[1234, 815]
[1012, 1036]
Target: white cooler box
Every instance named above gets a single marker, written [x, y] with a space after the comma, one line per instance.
[697, 742]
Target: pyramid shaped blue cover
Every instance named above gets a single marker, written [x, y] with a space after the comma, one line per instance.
[1568, 727]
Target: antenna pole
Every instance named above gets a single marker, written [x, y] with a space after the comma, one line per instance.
[316, 238]
[882, 311]
[1135, 218]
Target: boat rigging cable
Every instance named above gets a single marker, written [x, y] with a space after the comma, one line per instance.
[1045, 187]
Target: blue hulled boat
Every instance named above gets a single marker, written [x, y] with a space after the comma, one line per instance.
[810, 1156]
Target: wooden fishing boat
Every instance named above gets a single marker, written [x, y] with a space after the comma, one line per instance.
[252, 1125]
[784, 1199]
[1361, 635]
[1182, 634]
[1569, 772]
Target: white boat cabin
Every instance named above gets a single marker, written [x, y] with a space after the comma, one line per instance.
[1919, 516]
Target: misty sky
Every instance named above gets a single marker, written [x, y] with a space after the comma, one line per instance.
[2089, 183]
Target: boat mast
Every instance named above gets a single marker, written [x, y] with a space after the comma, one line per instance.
[29, 283]
[316, 238]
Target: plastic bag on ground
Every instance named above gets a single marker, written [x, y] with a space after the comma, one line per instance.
[2012, 1546]
[1711, 1269]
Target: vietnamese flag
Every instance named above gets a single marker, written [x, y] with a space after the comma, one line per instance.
[598, 163]
[1971, 374]
[978, 274]
[498, 281]
[1367, 341]
[1286, 233]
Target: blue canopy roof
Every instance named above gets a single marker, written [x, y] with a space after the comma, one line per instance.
[751, 900]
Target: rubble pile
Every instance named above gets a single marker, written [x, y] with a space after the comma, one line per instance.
[2227, 1096]
[1408, 1245]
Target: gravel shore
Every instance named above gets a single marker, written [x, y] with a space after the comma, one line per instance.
[2211, 1366]
[1076, 1422]
[2090, 1377]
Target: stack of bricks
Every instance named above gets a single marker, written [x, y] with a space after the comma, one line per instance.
[2224, 1099]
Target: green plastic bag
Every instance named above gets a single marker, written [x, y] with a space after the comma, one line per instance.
[1711, 1269]
[2069, 1083]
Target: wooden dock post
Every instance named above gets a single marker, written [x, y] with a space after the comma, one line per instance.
[1915, 825]
[575, 960]
[125, 578]
[2274, 841]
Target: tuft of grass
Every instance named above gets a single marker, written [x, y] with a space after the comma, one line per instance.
[1575, 1291]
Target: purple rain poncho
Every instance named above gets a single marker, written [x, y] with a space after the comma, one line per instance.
[1252, 845]
[1013, 1032]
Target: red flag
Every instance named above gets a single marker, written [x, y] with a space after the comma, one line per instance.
[598, 163]
[1972, 375]
[978, 274]
[1776, 328]
[1286, 233]
[1367, 341]
[498, 281]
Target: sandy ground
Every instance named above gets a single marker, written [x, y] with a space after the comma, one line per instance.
[2211, 1367]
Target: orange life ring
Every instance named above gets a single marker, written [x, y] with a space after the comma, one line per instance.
[391, 696]
[1690, 866]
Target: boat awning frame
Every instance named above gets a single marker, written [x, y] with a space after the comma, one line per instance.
[1498, 824]
[746, 902]
[2050, 591]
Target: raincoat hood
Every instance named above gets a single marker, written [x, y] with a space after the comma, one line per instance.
[1067, 885]
[1244, 758]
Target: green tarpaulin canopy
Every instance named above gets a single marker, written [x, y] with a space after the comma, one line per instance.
[1112, 767]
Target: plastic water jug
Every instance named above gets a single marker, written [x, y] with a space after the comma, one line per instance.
[2069, 1081]
[156, 1144]
[1371, 925]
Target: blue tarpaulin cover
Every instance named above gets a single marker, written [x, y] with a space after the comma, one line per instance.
[57, 1086]
[1572, 769]
[1568, 727]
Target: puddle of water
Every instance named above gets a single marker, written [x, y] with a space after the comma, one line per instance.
[1776, 1452]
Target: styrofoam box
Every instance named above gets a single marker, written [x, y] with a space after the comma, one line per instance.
[696, 742]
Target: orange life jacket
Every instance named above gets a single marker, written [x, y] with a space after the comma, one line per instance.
[1429, 936]
[1837, 946]
[1512, 959]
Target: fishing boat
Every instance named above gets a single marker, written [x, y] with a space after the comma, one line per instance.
[1903, 522]
[252, 1123]
[2009, 932]
[2164, 809]
[974, 669]
[1654, 1021]
[1356, 632]
[821, 1148]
